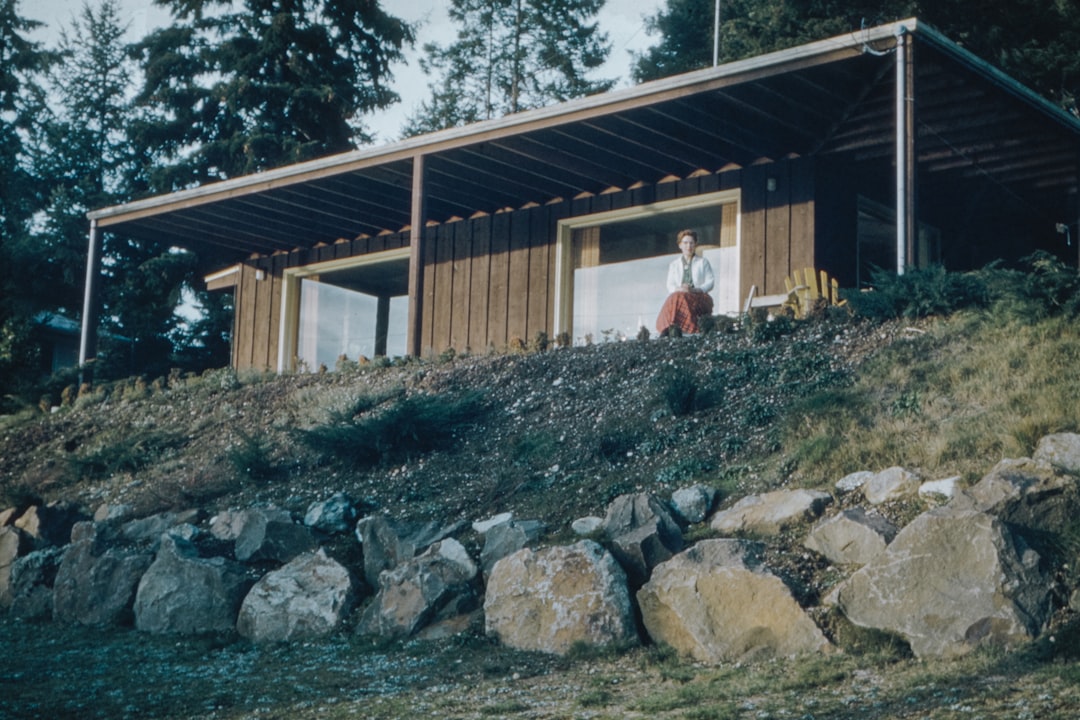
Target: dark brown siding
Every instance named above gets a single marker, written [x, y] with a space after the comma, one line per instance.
[489, 280]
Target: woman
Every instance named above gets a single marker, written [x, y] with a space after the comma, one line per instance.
[689, 280]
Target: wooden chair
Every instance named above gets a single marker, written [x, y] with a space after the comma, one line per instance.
[804, 291]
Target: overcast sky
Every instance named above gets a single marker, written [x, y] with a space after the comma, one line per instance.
[622, 20]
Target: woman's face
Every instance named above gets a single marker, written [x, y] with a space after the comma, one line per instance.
[687, 244]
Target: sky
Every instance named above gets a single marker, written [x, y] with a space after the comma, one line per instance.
[622, 20]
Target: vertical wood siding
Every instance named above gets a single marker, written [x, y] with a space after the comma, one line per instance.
[490, 280]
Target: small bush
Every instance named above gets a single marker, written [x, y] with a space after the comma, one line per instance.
[250, 457]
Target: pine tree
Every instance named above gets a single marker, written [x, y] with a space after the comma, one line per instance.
[509, 56]
[232, 88]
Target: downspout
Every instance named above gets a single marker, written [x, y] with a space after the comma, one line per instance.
[905, 153]
[417, 220]
[88, 337]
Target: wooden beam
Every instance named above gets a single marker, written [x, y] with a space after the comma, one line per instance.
[418, 215]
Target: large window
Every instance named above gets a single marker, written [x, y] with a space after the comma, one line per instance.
[347, 309]
[876, 242]
[612, 266]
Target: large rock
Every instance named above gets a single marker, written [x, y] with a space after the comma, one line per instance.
[770, 513]
[716, 603]
[13, 543]
[185, 594]
[641, 533]
[507, 538]
[270, 534]
[1061, 450]
[1026, 492]
[336, 514]
[388, 542]
[950, 581]
[32, 579]
[551, 599]
[305, 599]
[693, 504]
[49, 525]
[96, 585]
[435, 586]
[153, 527]
[851, 537]
[893, 483]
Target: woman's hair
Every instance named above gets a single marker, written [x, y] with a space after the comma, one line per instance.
[684, 233]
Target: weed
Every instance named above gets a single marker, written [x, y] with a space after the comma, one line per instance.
[250, 457]
[137, 449]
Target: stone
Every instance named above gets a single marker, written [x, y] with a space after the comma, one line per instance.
[715, 603]
[1025, 492]
[227, 525]
[151, 528]
[507, 538]
[851, 537]
[1061, 450]
[693, 504]
[95, 585]
[853, 481]
[952, 580]
[946, 488]
[32, 578]
[552, 599]
[482, 526]
[432, 588]
[182, 593]
[893, 483]
[770, 513]
[336, 514]
[307, 598]
[107, 512]
[587, 525]
[270, 534]
[13, 543]
[388, 542]
[641, 534]
[49, 525]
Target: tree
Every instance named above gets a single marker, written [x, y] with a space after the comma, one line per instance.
[22, 64]
[511, 55]
[1034, 40]
[232, 88]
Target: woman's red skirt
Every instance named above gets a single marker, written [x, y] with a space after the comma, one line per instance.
[683, 309]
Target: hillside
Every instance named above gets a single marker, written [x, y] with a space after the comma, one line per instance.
[551, 435]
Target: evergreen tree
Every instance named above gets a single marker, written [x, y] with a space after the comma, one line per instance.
[22, 64]
[511, 55]
[232, 88]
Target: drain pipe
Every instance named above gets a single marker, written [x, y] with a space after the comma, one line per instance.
[88, 337]
[902, 130]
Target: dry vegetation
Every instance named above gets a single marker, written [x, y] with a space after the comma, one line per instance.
[554, 435]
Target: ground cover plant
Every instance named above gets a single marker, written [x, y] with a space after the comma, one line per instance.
[945, 388]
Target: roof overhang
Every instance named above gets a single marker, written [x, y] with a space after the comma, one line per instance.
[833, 99]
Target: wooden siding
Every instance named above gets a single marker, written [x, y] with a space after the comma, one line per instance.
[489, 281]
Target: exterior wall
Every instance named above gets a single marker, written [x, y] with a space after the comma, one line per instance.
[490, 280]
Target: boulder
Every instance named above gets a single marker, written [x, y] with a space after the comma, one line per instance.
[336, 514]
[946, 488]
[151, 528]
[227, 524]
[851, 537]
[507, 538]
[716, 603]
[482, 526]
[49, 525]
[587, 525]
[693, 504]
[431, 588]
[770, 513]
[13, 543]
[388, 542]
[952, 580]
[32, 578]
[307, 598]
[185, 594]
[853, 481]
[108, 512]
[1061, 450]
[551, 599]
[96, 585]
[270, 534]
[893, 483]
[641, 533]
[1025, 492]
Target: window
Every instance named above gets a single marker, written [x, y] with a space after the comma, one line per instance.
[345, 308]
[876, 241]
[612, 266]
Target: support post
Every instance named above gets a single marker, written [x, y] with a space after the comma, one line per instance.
[906, 216]
[88, 337]
[382, 324]
[418, 218]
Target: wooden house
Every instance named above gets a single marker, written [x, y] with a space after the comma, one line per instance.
[890, 148]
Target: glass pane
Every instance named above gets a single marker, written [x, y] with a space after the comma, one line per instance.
[336, 321]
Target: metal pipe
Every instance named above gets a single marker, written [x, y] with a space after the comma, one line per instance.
[88, 336]
[716, 36]
[901, 150]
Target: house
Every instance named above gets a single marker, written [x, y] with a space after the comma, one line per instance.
[889, 147]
